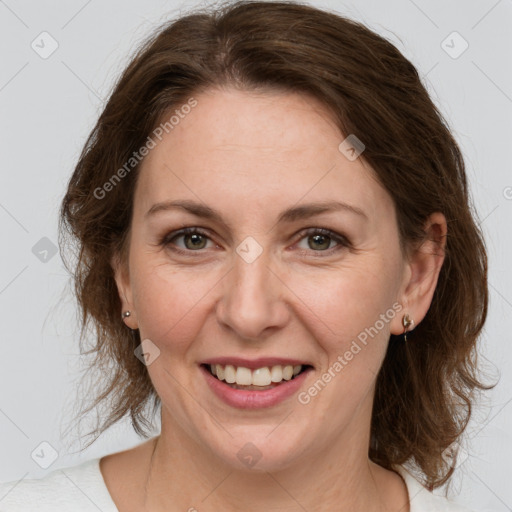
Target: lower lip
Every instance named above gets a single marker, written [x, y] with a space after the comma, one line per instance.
[253, 399]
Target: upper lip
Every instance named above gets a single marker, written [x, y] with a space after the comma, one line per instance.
[255, 363]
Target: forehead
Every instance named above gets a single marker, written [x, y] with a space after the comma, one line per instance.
[263, 149]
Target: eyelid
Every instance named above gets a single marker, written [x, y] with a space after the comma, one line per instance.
[341, 240]
[166, 239]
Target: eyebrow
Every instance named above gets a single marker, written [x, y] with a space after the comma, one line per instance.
[290, 215]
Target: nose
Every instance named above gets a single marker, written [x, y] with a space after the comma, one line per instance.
[253, 303]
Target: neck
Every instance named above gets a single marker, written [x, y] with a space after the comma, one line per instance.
[182, 475]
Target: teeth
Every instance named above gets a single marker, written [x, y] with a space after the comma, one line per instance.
[229, 374]
[276, 373]
[219, 371]
[287, 372]
[242, 376]
[261, 377]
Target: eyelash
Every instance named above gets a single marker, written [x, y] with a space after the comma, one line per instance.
[341, 240]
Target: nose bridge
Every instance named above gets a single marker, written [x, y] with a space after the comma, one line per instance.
[252, 297]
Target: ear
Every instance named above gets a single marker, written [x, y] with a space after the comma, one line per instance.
[421, 273]
[122, 277]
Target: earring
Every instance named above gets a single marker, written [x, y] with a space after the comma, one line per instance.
[407, 322]
[125, 314]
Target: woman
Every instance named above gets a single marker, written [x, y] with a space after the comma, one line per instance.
[276, 245]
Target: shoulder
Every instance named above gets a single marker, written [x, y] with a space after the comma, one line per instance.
[80, 488]
[423, 500]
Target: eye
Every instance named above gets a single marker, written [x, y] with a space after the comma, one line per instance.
[194, 239]
[320, 239]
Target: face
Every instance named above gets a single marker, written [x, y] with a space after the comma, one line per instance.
[265, 280]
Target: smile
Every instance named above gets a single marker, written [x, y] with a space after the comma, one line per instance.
[251, 388]
[265, 377]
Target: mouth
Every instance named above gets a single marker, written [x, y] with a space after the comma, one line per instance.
[256, 379]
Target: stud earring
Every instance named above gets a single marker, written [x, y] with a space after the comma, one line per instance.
[126, 314]
[407, 322]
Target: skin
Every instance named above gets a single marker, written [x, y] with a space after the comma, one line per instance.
[250, 156]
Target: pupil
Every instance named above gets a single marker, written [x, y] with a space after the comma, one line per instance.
[320, 237]
[195, 239]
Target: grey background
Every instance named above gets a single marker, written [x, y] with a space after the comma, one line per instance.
[48, 107]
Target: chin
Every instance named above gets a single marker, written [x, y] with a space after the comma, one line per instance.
[258, 452]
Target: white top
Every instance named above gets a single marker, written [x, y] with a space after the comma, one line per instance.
[81, 488]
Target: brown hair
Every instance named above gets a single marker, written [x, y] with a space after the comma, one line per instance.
[426, 386]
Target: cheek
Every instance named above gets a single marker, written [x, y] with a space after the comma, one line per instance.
[349, 312]
[348, 299]
[353, 310]
[170, 302]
